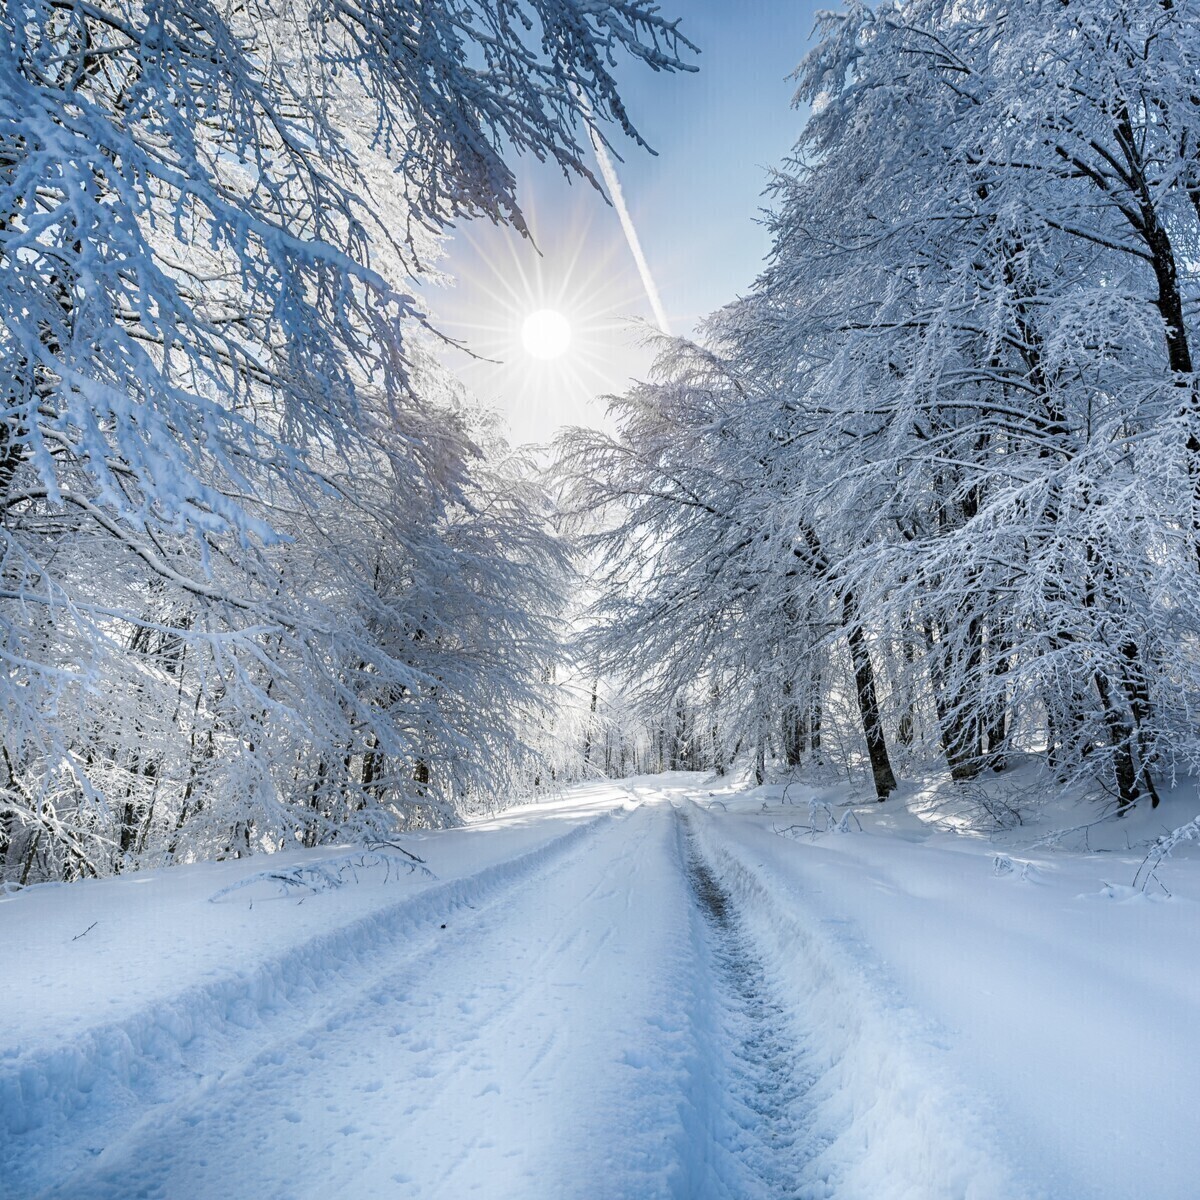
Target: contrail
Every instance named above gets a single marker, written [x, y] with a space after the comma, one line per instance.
[608, 171]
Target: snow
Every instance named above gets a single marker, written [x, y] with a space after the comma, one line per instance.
[1071, 1016]
[657, 988]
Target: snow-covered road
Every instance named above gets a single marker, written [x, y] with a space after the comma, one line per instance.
[632, 1001]
[538, 1044]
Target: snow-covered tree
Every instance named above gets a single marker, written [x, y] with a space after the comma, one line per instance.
[251, 561]
[957, 413]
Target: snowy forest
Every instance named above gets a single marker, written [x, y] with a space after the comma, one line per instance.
[926, 497]
[542, 660]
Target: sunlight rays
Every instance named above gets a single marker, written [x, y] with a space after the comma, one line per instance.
[571, 270]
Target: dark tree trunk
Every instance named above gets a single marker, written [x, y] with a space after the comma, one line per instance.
[372, 768]
[996, 716]
[959, 726]
[1120, 734]
[868, 701]
[718, 754]
[809, 550]
[906, 727]
[1120, 725]
[760, 752]
[1138, 691]
[588, 731]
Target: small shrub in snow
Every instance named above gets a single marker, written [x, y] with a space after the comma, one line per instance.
[1147, 873]
[1004, 867]
[822, 819]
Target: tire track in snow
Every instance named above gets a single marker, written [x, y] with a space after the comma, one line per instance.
[495, 1064]
[755, 1057]
[60, 1110]
[881, 1111]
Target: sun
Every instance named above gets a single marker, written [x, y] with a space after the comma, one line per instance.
[544, 330]
[546, 334]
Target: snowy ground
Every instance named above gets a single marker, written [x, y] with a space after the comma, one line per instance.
[657, 989]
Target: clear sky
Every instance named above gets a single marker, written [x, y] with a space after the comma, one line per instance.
[695, 206]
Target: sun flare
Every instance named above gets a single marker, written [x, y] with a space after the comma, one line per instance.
[549, 329]
[546, 334]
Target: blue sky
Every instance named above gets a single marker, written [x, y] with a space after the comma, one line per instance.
[694, 203]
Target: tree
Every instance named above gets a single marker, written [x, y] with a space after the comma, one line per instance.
[230, 502]
[961, 395]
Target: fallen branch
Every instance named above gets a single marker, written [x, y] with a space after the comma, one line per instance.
[327, 874]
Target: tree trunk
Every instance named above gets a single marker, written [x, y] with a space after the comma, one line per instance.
[588, 730]
[1120, 734]
[809, 550]
[1138, 691]
[717, 750]
[868, 701]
